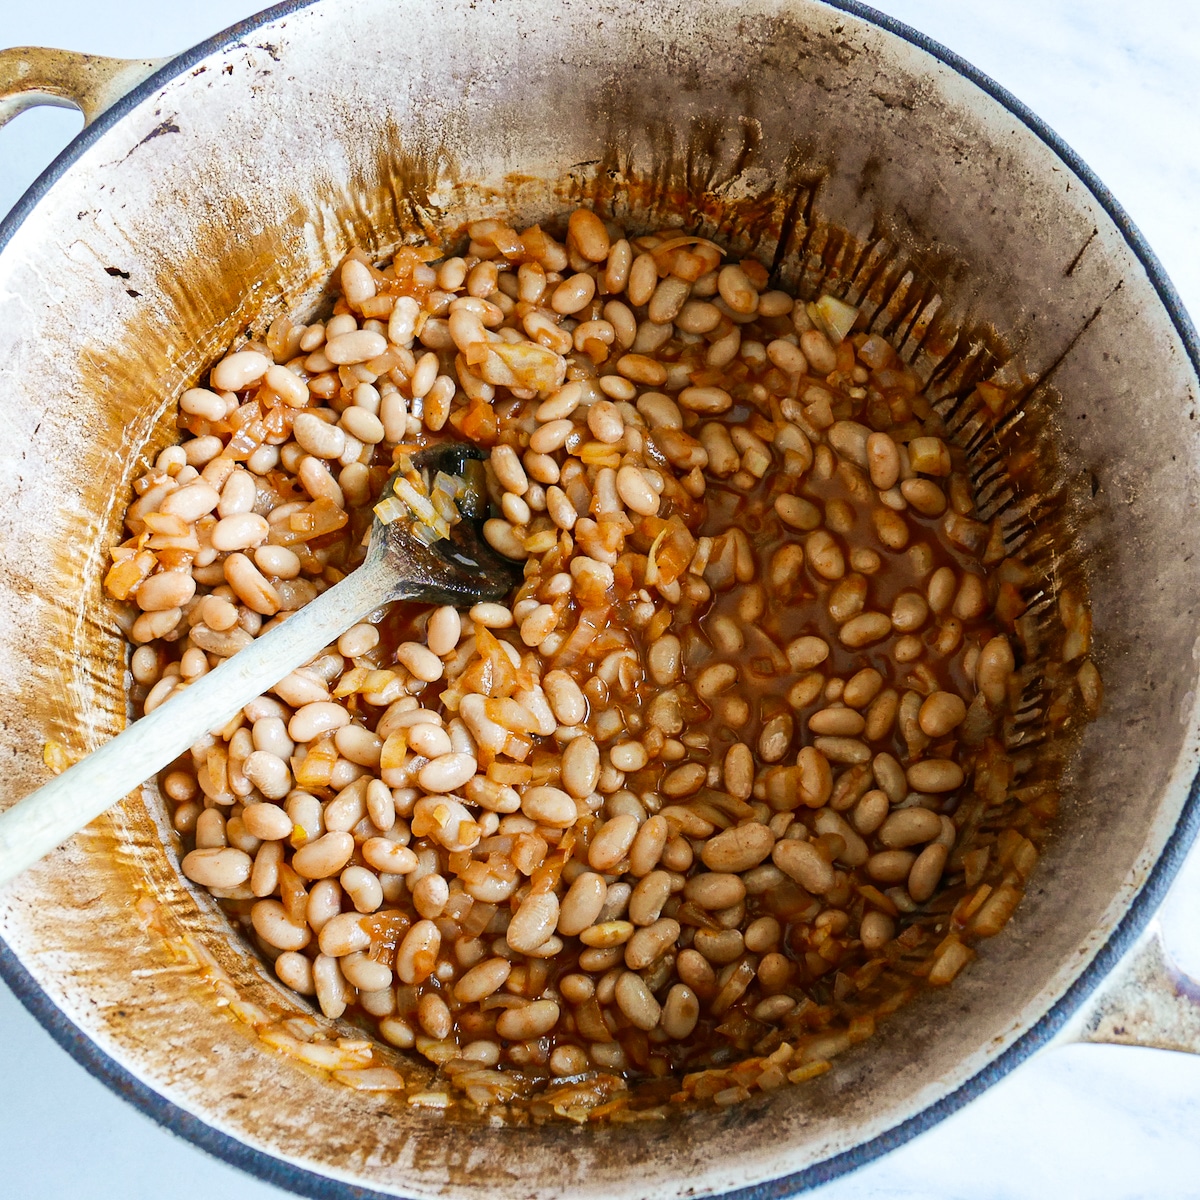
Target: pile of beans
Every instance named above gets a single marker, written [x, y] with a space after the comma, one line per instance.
[728, 778]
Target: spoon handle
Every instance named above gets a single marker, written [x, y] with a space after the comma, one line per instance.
[45, 819]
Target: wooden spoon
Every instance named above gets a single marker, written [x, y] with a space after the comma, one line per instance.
[461, 570]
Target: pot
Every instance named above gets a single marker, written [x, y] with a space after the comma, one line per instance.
[826, 139]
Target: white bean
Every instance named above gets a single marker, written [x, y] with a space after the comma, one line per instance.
[549, 806]
[315, 719]
[359, 346]
[443, 631]
[447, 772]
[239, 371]
[634, 489]
[240, 531]
[420, 660]
[220, 867]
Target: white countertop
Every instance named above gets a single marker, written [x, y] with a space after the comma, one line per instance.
[1117, 81]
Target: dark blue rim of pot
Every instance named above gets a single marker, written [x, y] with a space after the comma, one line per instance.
[306, 1183]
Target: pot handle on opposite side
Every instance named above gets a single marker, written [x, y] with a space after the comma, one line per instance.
[32, 75]
[1145, 1001]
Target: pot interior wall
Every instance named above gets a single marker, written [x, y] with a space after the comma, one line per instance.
[829, 148]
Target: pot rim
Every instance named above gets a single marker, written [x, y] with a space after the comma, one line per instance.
[303, 1182]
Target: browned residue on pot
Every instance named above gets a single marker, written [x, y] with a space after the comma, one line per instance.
[229, 285]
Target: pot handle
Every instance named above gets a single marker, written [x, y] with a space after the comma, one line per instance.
[1146, 1001]
[32, 75]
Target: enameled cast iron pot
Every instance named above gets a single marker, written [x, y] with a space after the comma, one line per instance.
[837, 145]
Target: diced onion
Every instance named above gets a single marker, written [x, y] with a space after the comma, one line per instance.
[835, 317]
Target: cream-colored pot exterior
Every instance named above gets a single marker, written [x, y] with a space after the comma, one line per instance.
[224, 194]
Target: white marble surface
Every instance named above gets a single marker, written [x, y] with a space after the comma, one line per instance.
[1117, 81]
